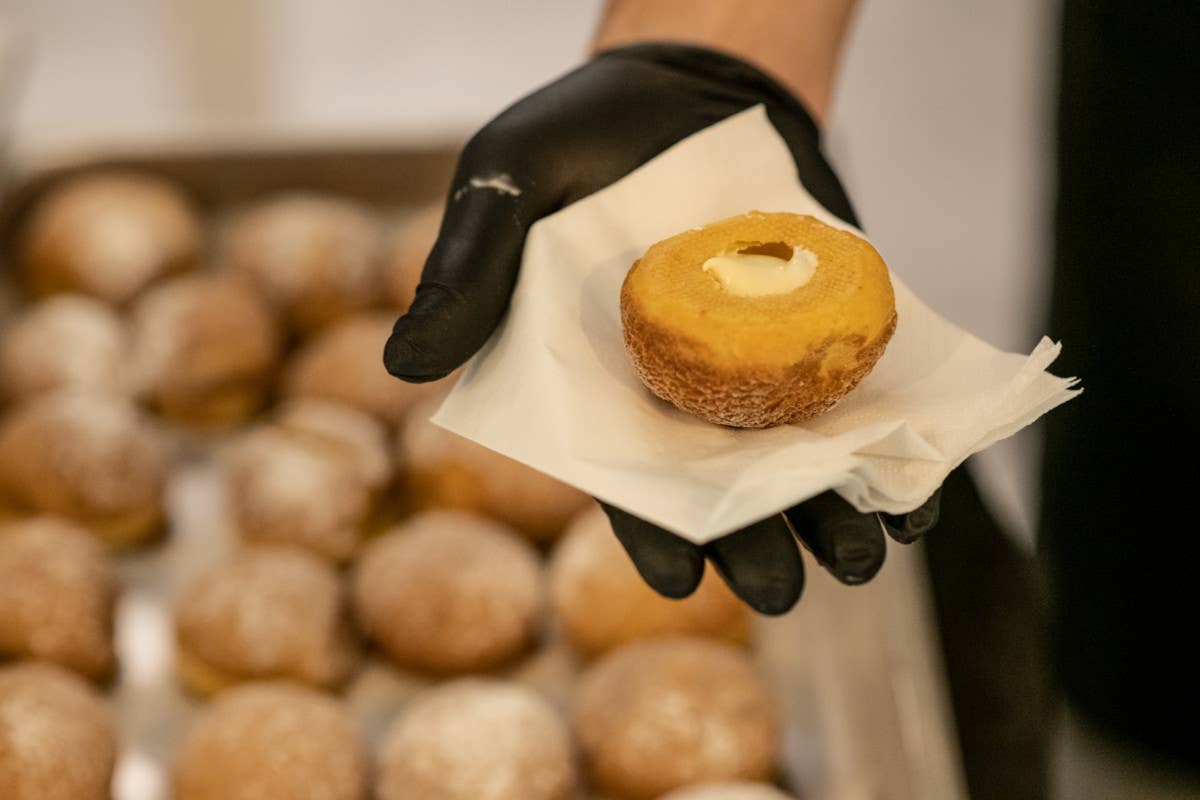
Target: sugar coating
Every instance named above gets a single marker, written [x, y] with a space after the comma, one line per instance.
[272, 740]
[57, 592]
[269, 612]
[58, 738]
[64, 341]
[476, 739]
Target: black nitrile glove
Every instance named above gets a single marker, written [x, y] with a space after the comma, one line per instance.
[560, 144]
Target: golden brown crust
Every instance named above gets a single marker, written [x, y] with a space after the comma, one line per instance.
[58, 738]
[57, 594]
[658, 715]
[88, 458]
[602, 602]
[271, 740]
[762, 360]
[109, 235]
[266, 612]
[449, 592]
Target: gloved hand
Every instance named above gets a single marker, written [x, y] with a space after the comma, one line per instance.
[559, 144]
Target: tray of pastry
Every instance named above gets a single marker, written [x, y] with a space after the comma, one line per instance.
[237, 561]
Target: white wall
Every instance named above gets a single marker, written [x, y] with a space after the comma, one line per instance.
[940, 127]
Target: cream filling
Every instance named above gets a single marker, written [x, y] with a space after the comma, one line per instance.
[759, 270]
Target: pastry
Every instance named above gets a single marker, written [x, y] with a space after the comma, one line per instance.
[206, 348]
[89, 458]
[317, 258]
[757, 320]
[655, 716]
[57, 592]
[67, 341]
[266, 612]
[58, 738]
[312, 479]
[601, 602]
[108, 235]
[264, 741]
[410, 245]
[442, 469]
[476, 739]
[737, 790]
[449, 592]
[345, 365]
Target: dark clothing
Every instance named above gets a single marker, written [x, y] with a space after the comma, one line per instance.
[1119, 529]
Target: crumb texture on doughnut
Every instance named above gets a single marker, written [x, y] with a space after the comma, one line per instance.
[57, 592]
[58, 738]
[756, 361]
[442, 469]
[737, 790]
[266, 612]
[602, 602]
[655, 716]
[476, 739]
[89, 458]
[345, 365]
[66, 341]
[450, 592]
[272, 740]
[317, 258]
[109, 235]
[206, 347]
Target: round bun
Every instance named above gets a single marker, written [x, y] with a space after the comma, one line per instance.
[345, 365]
[659, 715]
[266, 612]
[410, 245]
[311, 480]
[602, 602]
[449, 592]
[736, 790]
[58, 739]
[57, 592]
[443, 470]
[206, 347]
[109, 236]
[751, 361]
[89, 458]
[477, 739]
[272, 740]
[68, 341]
[315, 257]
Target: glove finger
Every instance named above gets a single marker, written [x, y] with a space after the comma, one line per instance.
[849, 544]
[469, 275]
[671, 565]
[907, 528]
[761, 564]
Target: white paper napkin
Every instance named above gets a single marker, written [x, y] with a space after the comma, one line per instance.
[553, 388]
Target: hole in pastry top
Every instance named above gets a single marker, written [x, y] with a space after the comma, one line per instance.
[758, 269]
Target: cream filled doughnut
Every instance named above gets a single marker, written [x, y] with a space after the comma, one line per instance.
[602, 602]
[109, 235]
[206, 348]
[66, 341]
[57, 593]
[58, 738]
[475, 739]
[266, 612]
[272, 740]
[317, 258]
[450, 592]
[90, 458]
[757, 320]
[655, 716]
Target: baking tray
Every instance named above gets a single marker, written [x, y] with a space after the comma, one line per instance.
[857, 671]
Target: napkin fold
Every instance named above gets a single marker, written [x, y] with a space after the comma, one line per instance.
[554, 388]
